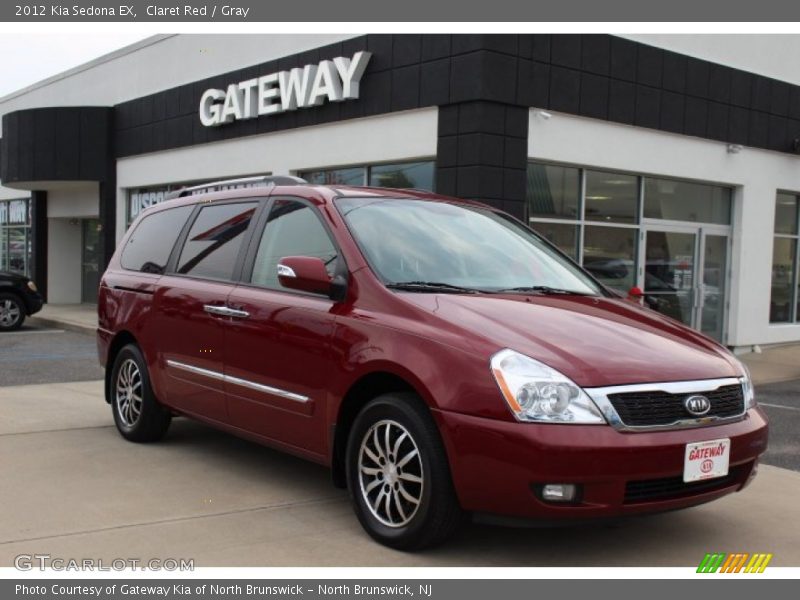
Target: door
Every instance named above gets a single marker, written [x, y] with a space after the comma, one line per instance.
[90, 260]
[685, 275]
[714, 282]
[278, 358]
[191, 314]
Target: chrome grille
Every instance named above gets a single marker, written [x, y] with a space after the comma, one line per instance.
[654, 406]
[663, 408]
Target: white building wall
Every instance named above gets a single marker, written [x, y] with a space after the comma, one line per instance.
[74, 200]
[395, 137]
[65, 208]
[755, 174]
[63, 261]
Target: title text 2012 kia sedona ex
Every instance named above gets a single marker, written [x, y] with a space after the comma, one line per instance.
[438, 355]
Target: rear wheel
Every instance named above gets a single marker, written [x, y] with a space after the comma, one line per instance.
[398, 474]
[139, 417]
[12, 312]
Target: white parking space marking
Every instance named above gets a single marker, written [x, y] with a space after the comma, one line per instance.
[33, 331]
[779, 406]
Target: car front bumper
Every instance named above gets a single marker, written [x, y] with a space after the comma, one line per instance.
[499, 466]
[33, 302]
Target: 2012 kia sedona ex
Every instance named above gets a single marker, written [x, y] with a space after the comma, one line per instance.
[438, 355]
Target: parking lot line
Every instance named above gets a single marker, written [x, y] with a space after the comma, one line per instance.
[779, 406]
[27, 331]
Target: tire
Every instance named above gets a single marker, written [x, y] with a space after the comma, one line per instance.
[12, 312]
[422, 510]
[137, 414]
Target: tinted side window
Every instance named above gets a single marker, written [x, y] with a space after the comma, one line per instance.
[214, 240]
[149, 246]
[293, 229]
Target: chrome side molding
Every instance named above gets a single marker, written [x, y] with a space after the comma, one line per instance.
[266, 389]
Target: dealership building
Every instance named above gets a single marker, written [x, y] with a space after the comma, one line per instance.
[665, 162]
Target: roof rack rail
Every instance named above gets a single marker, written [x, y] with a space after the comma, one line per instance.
[233, 184]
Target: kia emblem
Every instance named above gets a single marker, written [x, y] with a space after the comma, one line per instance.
[697, 405]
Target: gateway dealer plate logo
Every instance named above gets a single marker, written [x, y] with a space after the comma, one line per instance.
[697, 405]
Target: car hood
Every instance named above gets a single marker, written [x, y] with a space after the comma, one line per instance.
[594, 341]
[15, 277]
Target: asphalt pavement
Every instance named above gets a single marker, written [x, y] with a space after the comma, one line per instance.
[41, 354]
[72, 487]
[781, 402]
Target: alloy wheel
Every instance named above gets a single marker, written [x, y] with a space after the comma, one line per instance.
[390, 473]
[129, 393]
[9, 313]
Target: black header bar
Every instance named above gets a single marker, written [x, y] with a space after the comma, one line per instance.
[361, 11]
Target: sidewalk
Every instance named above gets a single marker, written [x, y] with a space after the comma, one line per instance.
[772, 365]
[72, 317]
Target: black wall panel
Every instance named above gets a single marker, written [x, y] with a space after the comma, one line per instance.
[594, 75]
[57, 144]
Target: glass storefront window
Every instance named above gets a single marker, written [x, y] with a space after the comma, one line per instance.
[784, 251]
[350, 176]
[786, 209]
[784, 306]
[635, 230]
[418, 175]
[611, 197]
[609, 253]
[553, 191]
[15, 236]
[561, 235]
[674, 200]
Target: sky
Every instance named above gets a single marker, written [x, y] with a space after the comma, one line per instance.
[31, 57]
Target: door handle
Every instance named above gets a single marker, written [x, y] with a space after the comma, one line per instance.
[225, 311]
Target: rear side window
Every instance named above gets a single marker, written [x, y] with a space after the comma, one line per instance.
[293, 229]
[149, 246]
[214, 240]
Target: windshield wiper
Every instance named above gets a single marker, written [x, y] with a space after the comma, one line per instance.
[432, 286]
[546, 289]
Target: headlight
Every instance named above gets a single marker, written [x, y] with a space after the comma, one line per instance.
[32, 286]
[747, 387]
[538, 393]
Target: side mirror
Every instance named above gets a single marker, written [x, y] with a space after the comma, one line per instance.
[304, 273]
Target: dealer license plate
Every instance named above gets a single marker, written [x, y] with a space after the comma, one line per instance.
[706, 460]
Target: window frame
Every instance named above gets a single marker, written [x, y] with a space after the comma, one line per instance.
[249, 257]
[794, 318]
[177, 249]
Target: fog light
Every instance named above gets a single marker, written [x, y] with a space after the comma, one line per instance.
[558, 492]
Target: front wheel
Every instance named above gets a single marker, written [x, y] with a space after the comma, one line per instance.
[12, 312]
[138, 415]
[398, 475]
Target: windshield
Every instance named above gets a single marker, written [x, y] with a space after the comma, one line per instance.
[456, 246]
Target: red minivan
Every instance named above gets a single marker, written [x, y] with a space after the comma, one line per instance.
[437, 354]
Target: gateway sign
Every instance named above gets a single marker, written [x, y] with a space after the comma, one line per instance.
[303, 87]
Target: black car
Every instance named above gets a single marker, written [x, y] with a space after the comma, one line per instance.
[18, 299]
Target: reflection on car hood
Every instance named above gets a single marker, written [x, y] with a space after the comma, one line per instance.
[595, 341]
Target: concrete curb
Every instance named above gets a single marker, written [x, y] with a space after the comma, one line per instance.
[66, 325]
